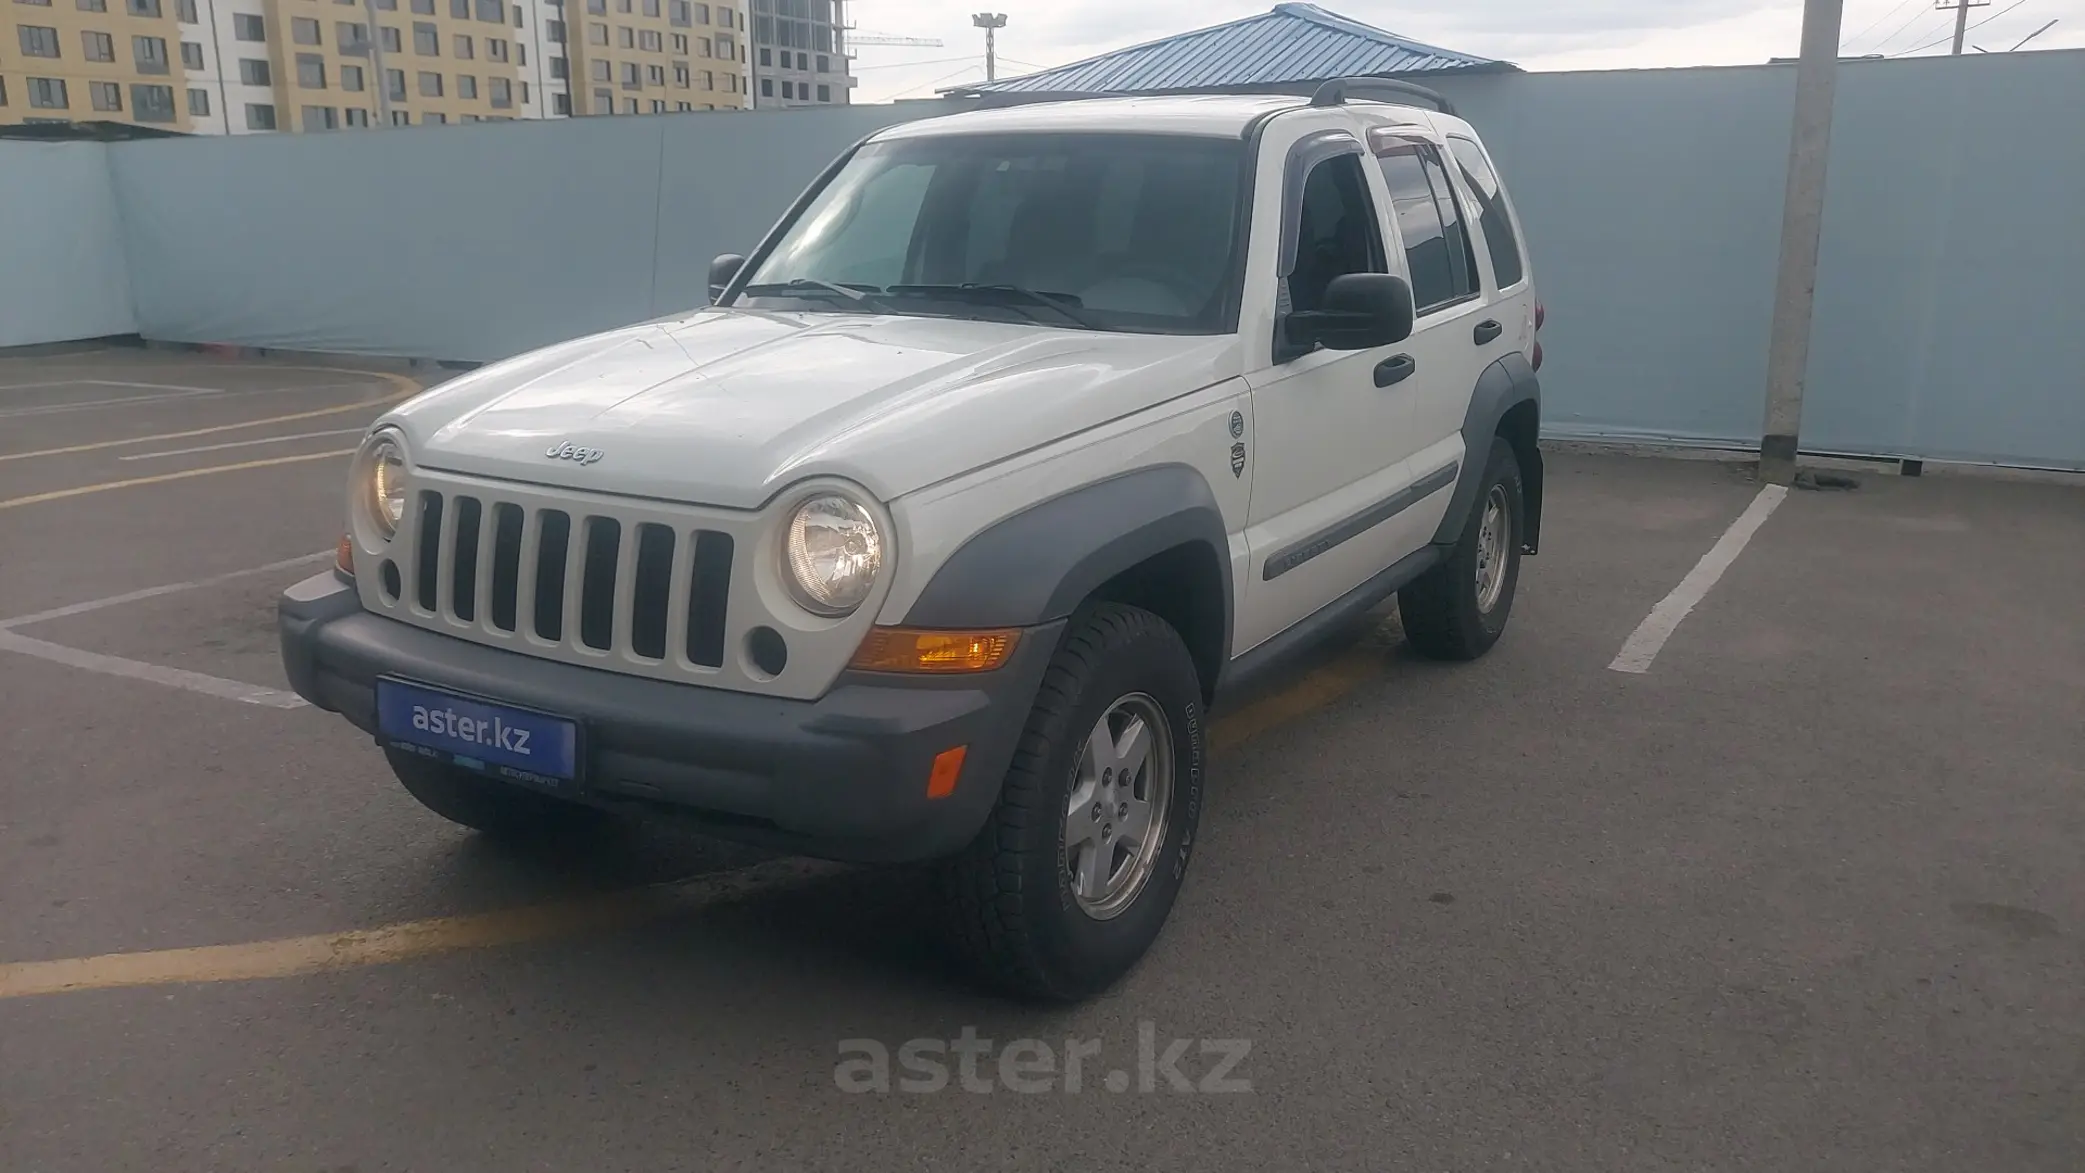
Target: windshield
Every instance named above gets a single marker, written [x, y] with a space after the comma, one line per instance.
[1115, 232]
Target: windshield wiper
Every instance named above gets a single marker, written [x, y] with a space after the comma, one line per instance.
[811, 286]
[1065, 304]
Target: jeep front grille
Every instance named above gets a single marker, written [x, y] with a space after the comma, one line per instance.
[574, 579]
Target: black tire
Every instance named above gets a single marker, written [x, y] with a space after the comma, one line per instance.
[1442, 610]
[1009, 899]
[484, 804]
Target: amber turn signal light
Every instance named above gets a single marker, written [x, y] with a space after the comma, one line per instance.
[906, 649]
[948, 766]
[344, 557]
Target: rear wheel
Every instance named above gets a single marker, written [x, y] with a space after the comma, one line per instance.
[1073, 875]
[486, 804]
[1457, 610]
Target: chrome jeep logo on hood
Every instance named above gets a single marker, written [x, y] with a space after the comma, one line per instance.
[567, 450]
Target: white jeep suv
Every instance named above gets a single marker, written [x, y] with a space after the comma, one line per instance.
[1025, 437]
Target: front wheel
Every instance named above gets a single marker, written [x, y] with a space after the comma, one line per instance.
[1074, 873]
[1457, 610]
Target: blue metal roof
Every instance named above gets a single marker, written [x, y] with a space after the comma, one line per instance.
[1293, 43]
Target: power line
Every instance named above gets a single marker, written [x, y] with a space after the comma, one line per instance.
[1915, 18]
[912, 64]
[937, 81]
[1878, 20]
[1979, 24]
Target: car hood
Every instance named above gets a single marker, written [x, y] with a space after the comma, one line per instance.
[728, 407]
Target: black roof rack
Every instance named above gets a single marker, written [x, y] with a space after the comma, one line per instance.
[1341, 90]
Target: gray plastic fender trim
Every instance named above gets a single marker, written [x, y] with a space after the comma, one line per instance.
[1505, 383]
[1037, 565]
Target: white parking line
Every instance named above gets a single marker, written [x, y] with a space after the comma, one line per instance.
[231, 690]
[1644, 643]
[172, 394]
[155, 592]
[242, 444]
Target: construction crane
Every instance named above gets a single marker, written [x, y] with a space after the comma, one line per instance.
[860, 38]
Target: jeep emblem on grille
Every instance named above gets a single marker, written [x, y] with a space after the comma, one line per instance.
[567, 450]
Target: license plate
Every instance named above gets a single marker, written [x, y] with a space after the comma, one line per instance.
[507, 742]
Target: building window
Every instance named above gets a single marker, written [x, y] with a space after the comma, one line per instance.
[767, 56]
[394, 84]
[387, 5]
[680, 75]
[622, 6]
[150, 103]
[825, 64]
[3, 91]
[658, 106]
[604, 101]
[466, 86]
[351, 37]
[492, 11]
[655, 75]
[651, 7]
[260, 117]
[144, 8]
[497, 50]
[628, 35]
[351, 78]
[597, 34]
[597, 7]
[803, 62]
[767, 87]
[426, 41]
[603, 70]
[97, 47]
[43, 42]
[253, 71]
[629, 105]
[679, 12]
[321, 118]
[680, 43]
[561, 104]
[304, 30]
[501, 91]
[463, 48]
[555, 30]
[423, 7]
[191, 56]
[825, 93]
[560, 68]
[788, 89]
[199, 103]
[702, 14]
[105, 96]
[150, 54]
[401, 117]
[249, 28]
[311, 71]
[460, 9]
[651, 42]
[48, 93]
[38, 3]
[436, 119]
[430, 84]
[91, 5]
[392, 43]
[630, 75]
[356, 116]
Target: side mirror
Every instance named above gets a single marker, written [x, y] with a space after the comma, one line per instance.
[721, 271]
[1361, 311]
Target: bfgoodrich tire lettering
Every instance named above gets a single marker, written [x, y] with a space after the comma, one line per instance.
[1010, 902]
[1457, 610]
[484, 804]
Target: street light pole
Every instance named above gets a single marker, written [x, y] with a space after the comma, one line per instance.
[991, 22]
[1802, 225]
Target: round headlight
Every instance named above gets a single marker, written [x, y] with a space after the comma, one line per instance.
[832, 554]
[383, 484]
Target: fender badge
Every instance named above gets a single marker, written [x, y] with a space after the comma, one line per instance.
[567, 450]
[1237, 460]
[1237, 425]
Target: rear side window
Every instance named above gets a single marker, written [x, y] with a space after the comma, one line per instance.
[1436, 241]
[1499, 230]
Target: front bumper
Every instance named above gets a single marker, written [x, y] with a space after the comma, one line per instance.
[843, 777]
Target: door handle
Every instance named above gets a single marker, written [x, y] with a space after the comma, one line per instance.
[1488, 332]
[1395, 369]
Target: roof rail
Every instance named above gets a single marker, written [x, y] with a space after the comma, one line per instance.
[1341, 90]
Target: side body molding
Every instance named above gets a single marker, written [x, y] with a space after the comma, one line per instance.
[1036, 565]
[1504, 385]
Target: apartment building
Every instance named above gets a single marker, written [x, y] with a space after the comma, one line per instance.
[800, 54]
[249, 66]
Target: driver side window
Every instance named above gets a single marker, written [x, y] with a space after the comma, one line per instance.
[1338, 233]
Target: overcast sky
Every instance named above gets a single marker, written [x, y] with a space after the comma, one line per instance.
[1535, 34]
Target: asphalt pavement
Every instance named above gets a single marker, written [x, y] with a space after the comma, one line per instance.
[1805, 893]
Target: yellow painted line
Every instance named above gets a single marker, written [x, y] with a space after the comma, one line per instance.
[299, 956]
[406, 389]
[162, 478]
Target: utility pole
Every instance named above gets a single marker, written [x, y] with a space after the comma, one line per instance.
[1961, 24]
[991, 22]
[1802, 225]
